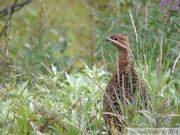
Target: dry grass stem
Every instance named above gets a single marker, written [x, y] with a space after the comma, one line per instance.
[103, 60]
[135, 30]
[98, 85]
[43, 8]
[47, 68]
[85, 133]
[80, 108]
[123, 91]
[136, 35]
[177, 28]
[145, 67]
[175, 63]
[175, 50]
[146, 23]
[159, 61]
[117, 67]
[7, 39]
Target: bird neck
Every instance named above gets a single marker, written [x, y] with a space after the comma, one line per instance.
[124, 62]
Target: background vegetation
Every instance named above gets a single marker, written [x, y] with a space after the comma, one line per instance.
[55, 63]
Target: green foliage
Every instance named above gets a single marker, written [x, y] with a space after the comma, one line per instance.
[61, 103]
[49, 84]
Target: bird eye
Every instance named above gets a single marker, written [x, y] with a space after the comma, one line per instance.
[116, 39]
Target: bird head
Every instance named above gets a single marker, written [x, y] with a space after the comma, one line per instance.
[120, 41]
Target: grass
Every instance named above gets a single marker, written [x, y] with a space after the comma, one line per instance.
[61, 103]
[47, 90]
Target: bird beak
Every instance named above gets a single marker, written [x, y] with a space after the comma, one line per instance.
[116, 43]
[107, 39]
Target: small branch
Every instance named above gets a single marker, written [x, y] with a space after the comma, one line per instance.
[7, 28]
[4, 11]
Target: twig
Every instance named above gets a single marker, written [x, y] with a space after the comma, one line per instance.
[9, 15]
[7, 28]
[14, 6]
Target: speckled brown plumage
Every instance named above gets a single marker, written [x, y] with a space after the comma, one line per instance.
[124, 83]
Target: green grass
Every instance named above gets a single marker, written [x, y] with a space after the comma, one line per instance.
[60, 103]
[57, 66]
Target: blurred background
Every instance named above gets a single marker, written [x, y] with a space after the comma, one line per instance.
[70, 34]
